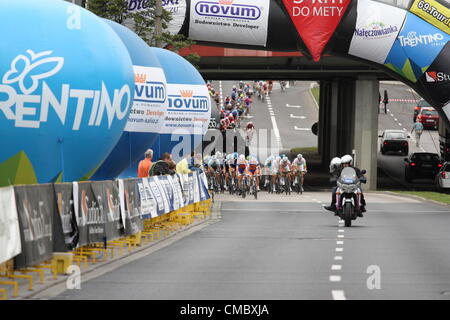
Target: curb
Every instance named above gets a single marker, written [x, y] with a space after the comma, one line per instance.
[414, 197]
[119, 261]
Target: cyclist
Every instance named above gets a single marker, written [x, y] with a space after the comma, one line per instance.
[275, 170]
[241, 166]
[285, 170]
[268, 168]
[254, 169]
[299, 165]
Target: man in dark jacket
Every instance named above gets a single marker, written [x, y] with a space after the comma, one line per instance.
[161, 167]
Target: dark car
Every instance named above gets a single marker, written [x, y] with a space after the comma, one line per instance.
[429, 118]
[422, 165]
[395, 141]
[421, 104]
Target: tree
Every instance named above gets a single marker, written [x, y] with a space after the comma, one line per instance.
[142, 22]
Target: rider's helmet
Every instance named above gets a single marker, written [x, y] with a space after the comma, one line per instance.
[335, 164]
[231, 117]
[250, 125]
[218, 155]
[299, 156]
[347, 159]
[235, 155]
[241, 157]
[285, 159]
[277, 158]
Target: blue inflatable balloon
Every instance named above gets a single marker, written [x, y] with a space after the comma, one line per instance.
[189, 109]
[65, 93]
[149, 109]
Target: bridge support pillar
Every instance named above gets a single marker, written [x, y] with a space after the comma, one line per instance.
[366, 128]
[336, 118]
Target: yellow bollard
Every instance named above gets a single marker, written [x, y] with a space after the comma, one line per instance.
[36, 270]
[61, 261]
[15, 285]
[3, 295]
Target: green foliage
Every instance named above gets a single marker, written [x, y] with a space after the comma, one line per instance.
[142, 22]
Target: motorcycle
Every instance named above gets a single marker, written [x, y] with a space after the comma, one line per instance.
[348, 195]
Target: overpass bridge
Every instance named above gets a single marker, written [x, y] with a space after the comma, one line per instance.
[349, 94]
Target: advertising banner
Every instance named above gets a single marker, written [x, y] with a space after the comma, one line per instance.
[447, 110]
[196, 186]
[230, 21]
[35, 207]
[107, 195]
[147, 200]
[150, 100]
[203, 189]
[316, 21]
[433, 12]
[89, 212]
[10, 245]
[189, 108]
[377, 27]
[191, 190]
[168, 191]
[416, 47]
[178, 201]
[436, 79]
[66, 213]
[177, 9]
[130, 206]
[162, 204]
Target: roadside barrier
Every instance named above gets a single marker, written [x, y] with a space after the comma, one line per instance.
[45, 229]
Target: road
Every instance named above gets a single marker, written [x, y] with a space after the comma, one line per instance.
[400, 117]
[288, 247]
[289, 116]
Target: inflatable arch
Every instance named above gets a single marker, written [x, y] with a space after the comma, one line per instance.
[410, 44]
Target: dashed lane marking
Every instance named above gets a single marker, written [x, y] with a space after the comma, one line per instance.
[334, 278]
[338, 295]
[336, 267]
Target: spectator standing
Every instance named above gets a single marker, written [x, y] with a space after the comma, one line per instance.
[161, 167]
[418, 129]
[385, 101]
[145, 165]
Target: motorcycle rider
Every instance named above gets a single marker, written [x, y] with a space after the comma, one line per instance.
[346, 161]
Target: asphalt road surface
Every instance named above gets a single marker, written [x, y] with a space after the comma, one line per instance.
[289, 247]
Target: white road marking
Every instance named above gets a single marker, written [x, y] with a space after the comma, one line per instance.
[335, 278]
[392, 115]
[339, 242]
[339, 249]
[302, 129]
[341, 230]
[395, 119]
[336, 267]
[338, 295]
[297, 117]
[338, 258]
[340, 236]
[399, 124]
[289, 106]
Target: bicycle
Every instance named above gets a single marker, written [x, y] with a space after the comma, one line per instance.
[253, 186]
[298, 184]
[284, 184]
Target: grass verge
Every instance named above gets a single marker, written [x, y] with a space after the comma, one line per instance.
[436, 196]
[316, 93]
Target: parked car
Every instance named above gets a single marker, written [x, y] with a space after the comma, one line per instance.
[429, 118]
[421, 104]
[443, 178]
[422, 165]
[394, 140]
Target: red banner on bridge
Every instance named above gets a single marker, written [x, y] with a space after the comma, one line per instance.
[316, 21]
